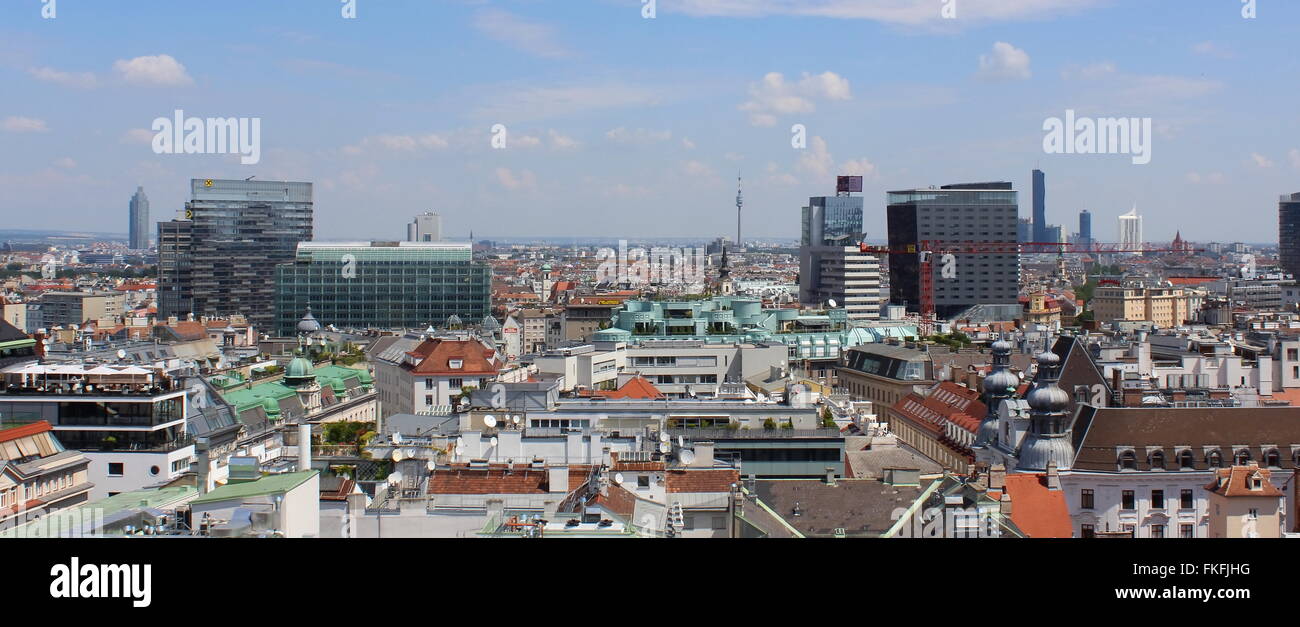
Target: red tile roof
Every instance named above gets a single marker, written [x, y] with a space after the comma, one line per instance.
[702, 480]
[616, 499]
[25, 430]
[1036, 510]
[437, 353]
[1233, 482]
[636, 388]
[500, 479]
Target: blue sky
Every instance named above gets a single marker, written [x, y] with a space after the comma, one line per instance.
[626, 127]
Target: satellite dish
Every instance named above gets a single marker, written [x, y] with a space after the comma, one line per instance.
[663, 436]
[460, 449]
[515, 419]
[432, 465]
[687, 456]
[681, 442]
[618, 478]
[460, 441]
[665, 448]
[832, 303]
[395, 478]
[397, 454]
[490, 421]
[494, 441]
[397, 438]
[121, 353]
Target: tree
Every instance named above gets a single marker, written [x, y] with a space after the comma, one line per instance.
[769, 424]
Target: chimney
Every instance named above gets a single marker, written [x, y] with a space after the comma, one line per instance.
[1053, 476]
[997, 477]
[703, 455]
[1004, 504]
[558, 478]
[203, 470]
[304, 446]
[830, 476]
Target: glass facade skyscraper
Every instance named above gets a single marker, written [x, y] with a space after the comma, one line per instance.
[381, 285]
[831, 267]
[1040, 207]
[138, 221]
[238, 231]
[974, 212]
[832, 221]
[1288, 229]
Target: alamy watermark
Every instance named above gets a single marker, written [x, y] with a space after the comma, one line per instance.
[349, 9]
[659, 265]
[182, 135]
[1087, 136]
[49, 9]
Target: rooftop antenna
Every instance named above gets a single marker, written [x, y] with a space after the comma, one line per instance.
[687, 456]
[740, 202]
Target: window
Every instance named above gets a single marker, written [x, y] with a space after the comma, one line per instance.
[1087, 500]
[1273, 459]
[1185, 500]
[154, 470]
[1087, 531]
[643, 481]
[1214, 459]
[455, 364]
[428, 400]
[456, 383]
[428, 384]
[1157, 499]
[1128, 501]
[1157, 460]
[719, 523]
[1128, 460]
[1187, 460]
[1254, 514]
[1157, 531]
[1186, 531]
[115, 469]
[1242, 457]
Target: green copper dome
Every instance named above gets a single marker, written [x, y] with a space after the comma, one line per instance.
[299, 368]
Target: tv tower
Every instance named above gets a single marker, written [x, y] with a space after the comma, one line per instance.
[740, 202]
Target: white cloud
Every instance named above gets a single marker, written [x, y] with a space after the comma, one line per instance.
[688, 144]
[159, 69]
[818, 165]
[398, 143]
[1261, 160]
[526, 141]
[19, 124]
[1212, 178]
[138, 136]
[83, 80]
[560, 141]
[904, 12]
[774, 96]
[1005, 62]
[699, 169]
[639, 136]
[531, 37]
[1212, 49]
[66, 163]
[1089, 72]
[525, 179]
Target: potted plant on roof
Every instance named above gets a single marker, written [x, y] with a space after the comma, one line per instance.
[109, 443]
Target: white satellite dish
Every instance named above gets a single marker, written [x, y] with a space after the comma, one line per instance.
[494, 441]
[432, 465]
[395, 478]
[665, 448]
[397, 454]
[832, 303]
[515, 419]
[490, 421]
[121, 353]
[687, 456]
[397, 437]
[460, 449]
[663, 436]
[618, 478]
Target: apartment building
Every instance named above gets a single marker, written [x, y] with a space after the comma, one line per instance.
[1165, 306]
[67, 308]
[37, 475]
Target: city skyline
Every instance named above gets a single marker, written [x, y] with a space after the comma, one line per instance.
[605, 109]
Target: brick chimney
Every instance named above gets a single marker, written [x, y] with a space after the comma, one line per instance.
[997, 477]
[1053, 476]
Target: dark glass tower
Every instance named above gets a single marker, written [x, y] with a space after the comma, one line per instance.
[138, 221]
[1085, 228]
[973, 212]
[1040, 207]
[1288, 230]
[239, 230]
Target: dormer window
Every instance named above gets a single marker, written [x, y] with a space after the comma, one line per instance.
[1214, 459]
[1273, 459]
[456, 364]
[1187, 460]
[1157, 460]
[1242, 457]
[1256, 483]
[1127, 461]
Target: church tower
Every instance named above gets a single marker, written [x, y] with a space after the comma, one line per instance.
[1048, 439]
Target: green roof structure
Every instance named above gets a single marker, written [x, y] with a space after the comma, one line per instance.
[266, 486]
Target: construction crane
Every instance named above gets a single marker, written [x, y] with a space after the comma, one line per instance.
[927, 249]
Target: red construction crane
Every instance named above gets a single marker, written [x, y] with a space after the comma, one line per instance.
[926, 250]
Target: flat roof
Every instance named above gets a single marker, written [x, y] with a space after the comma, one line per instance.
[268, 485]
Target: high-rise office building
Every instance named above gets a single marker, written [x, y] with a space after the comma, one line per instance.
[1130, 230]
[1025, 230]
[382, 285]
[427, 227]
[138, 221]
[831, 265]
[223, 261]
[1040, 207]
[975, 213]
[1288, 230]
[1085, 228]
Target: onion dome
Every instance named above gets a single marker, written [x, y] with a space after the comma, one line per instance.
[308, 324]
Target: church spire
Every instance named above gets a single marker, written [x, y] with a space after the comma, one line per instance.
[1048, 438]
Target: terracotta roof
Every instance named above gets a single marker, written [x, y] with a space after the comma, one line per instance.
[616, 499]
[25, 431]
[1037, 510]
[500, 479]
[1234, 482]
[637, 387]
[339, 492]
[702, 480]
[437, 353]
